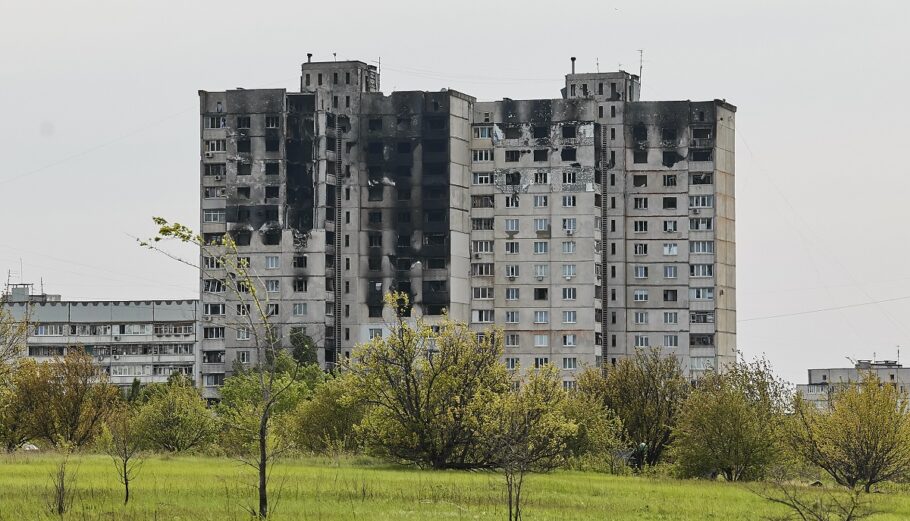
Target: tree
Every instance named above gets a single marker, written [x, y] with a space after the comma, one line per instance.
[527, 431]
[424, 388]
[234, 272]
[598, 443]
[812, 504]
[68, 397]
[328, 420]
[646, 391]
[731, 424]
[304, 348]
[122, 440]
[16, 415]
[173, 416]
[13, 333]
[863, 439]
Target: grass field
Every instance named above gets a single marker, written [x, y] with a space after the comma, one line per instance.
[202, 489]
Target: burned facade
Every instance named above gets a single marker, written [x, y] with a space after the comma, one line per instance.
[584, 226]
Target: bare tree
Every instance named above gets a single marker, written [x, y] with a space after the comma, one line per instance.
[812, 504]
[63, 481]
[231, 272]
[122, 440]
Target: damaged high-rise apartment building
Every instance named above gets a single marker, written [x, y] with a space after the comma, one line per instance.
[584, 226]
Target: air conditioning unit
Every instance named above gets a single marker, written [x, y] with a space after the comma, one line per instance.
[568, 277]
[116, 357]
[511, 277]
[207, 319]
[218, 178]
[116, 338]
[540, 277]
[696, 211]
[209, 155]
[476, 255]
[570, 232]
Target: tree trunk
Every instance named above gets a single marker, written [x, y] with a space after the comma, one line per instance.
[126, 484]
[263, 465]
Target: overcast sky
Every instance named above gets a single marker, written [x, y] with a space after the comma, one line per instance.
[100, 130]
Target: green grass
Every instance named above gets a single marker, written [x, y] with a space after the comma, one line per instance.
[202, 489]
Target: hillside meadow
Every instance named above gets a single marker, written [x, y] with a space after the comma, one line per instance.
[216, 489]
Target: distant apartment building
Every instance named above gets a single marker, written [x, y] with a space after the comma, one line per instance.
[584, 226]
[824, 382]
[130, 340]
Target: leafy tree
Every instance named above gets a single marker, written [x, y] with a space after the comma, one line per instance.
[863, 439]
[304, 348]
[731, 423]
[13, 333]
[173, 417]
[122, 440]
[646, 391]
[527, 431]
[16, 409]
[328, 420]
[69, 398]
[424, 389]
[598, 443]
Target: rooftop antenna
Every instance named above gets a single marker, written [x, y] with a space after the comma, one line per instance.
[597, 64]
[335, 56]
[641, 66]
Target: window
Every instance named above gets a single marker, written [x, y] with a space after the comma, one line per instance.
[569, 317]
[540, 247]
[641, 317]
[670, 226]
[511, 363]
[512, 270]
[568, 247]
[511, 225]
[701, 247]
[671, 248]
[271, 262]
[701, 317]
[640, 203]
[568, 154]
[541, 271]
[670, 295]
[569, 293]
[642, 341]
[482, 246]
[215, 145]
[541, 178]
[540, 201]
[214, 121]
[483, 293]
[374, 217]
[482, 156]
[671, 340]
[541, 340]
[701, 155]
[271, 192]
[540, 361]
[669, 203]
[300, 309]
[483, 316]
[541, 225]
[569, 363]
[213, 216]
[512, 293]
[541, 154]
[512, 340]
[483, 132]
[541, 317]
[213, 332]
[512, 201]
[701, 201]
[640, 248]
[701, 340]
[482, 178]
[701, 270]
[375, 332]
[701, 179]
[640, 295]
[640, 226]
[485, 223]
[273, 285]
[568, 201]
[482, 269]
[481, 201]
[640, 156]
[701, 294]
[215, 169]
[272, 121]
[300, 285]
[671, 317]
[271, 310]
[569, 271]
[639, 181]
[569, 340]
[701, 223]
[512, 156]
[569, 224]
[213, 286]
[670, 272]
[669, 179]
[641, 272]
[511, 317]
[214, 192]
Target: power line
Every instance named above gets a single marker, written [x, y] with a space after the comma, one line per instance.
[821, 310]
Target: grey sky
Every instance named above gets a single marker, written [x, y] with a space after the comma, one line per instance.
[99, 106]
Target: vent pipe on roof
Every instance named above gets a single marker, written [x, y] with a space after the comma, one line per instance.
[573, 65]
[309, 57]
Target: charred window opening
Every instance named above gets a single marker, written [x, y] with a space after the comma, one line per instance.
[375, 193]
[244, 168]
[375, 124]
[404, 147]
[403, 171]
[374, 217]
[374, 173]
[568, 153]
[513, 178]
[512, 132]
[435, 193]
[272, 192]
[404, 217]
[435, 168]
[434, 239]
[541, 132]
[541, 154]
[375, 311]
[436, 263]
[241, 237]
[330, 144]
[640, 156]
[300, 261]
[541, 293]
[403, 264]
[404, 193]
[243, 214]
[434, 309]
[403, 123]
[669, 203]
[272, 145]
[374, 148]
[436, 216]
[243, 146]
[271, 237]
[271, 168]
[213, 239]
[436, 123]
[671, 157]
[404, 240]
[702, 155]
[374, 263]
[668, 134]
[512, 156]
[243, 122]
[243, 192]
[344, 122]
[434, 145]
[640, 132]
[639, 180]
[568, 131]
[374, 240]
[300, 285]
[701, 133]
[701, 115]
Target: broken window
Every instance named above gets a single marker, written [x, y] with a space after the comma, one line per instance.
[375, 124]
[541, 154]
[436, 263]
[541, 293]
[374, 263]
[271, 168]
[375, 240]
[243, 146]
[568, 131]
[513, 178]
[668, 134]
[435, 168]
[271, 192]
[300, 261]
[436, 216]
[701, 179]
[541, 132]
[404, 193]
[404, 147]
[702, 155]
[512, 156]
[639, 180]
[436, 123]
[669, 179]
[300, 285]
[640, 132]
[272, 145]
[402, 123]
[272, 121]
[374, 193]
[568, 153]
[640, 156]
[584, 89]
[243, 192]
[374, 217]
[669, 203]
[243, 122]
[701, 133]
[512, 132]
[374, 147]
[670, 158]
[434, 145]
